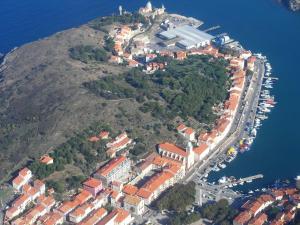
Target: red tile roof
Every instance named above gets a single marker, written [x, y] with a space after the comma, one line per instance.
[259, 220]
[243, 218]
[24, 172]
[122, 215]
[130, 189]
[173, 148]
[46, 159]
[200, 149]
[104, 171]
[92, 182]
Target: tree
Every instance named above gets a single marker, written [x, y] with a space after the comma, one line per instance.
[220, 212]
[87, 53]
[177, 198]
[74, 182]
[58, 186]
[109, 43]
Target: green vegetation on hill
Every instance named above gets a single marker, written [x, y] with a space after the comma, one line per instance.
[109, 43]
[87, 53]
[219, 212]
[109, 88]
[126, 18]
[177, 198]
[77, 151]
[184, 218]
[188, 88]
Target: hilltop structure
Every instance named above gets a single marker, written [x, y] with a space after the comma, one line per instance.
[150, 11]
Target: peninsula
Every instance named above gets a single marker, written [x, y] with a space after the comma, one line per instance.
[121, 120]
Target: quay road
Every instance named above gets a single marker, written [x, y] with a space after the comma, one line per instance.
[242, 180]
[206, 192]
[246, 110]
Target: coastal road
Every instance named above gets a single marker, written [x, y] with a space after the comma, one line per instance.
[246, 110]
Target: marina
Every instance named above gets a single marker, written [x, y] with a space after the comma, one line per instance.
[262, 104]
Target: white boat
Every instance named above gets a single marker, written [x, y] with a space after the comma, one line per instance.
[266, 110]
[223, 180]
[216, 169]
[267, 105]
[222, 165]
[262, 117]
[231, 158]
[248, 181]
[250, 141]
[254, 132]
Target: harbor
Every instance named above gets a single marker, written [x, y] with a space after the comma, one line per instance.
[257, 103]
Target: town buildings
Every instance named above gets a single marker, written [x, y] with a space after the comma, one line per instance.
[254, 212]
[119, 143]
[92, 185]
[23, 177]
[114, 182]
[134, 204]
[118, 169]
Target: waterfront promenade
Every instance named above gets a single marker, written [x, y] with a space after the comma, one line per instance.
[246, 110]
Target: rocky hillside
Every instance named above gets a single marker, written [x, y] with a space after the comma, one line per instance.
[43, 101]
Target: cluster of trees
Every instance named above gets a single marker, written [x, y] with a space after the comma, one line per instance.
[177, 198]
[58, 186]
[74, 182]
[219, 212]
[109, 43]
[88, 53]
[188, 88]
[138, 149]
[184, 218]
[109, 88]
[73, 151]
[191, 87]
[126, 18]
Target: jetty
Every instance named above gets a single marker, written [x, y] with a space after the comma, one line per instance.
[242, 180]
[212, 28]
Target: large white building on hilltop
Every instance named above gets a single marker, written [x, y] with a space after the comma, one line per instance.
[188, 37]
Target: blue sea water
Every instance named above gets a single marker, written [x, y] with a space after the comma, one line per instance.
[260, 25]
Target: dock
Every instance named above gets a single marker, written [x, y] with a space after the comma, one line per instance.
[242, 180]
[212, 28]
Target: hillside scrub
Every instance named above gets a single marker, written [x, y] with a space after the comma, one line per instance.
[188, 88]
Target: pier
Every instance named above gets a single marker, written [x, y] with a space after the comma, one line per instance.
[242, 180]
[206, 192]
[212, 28]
